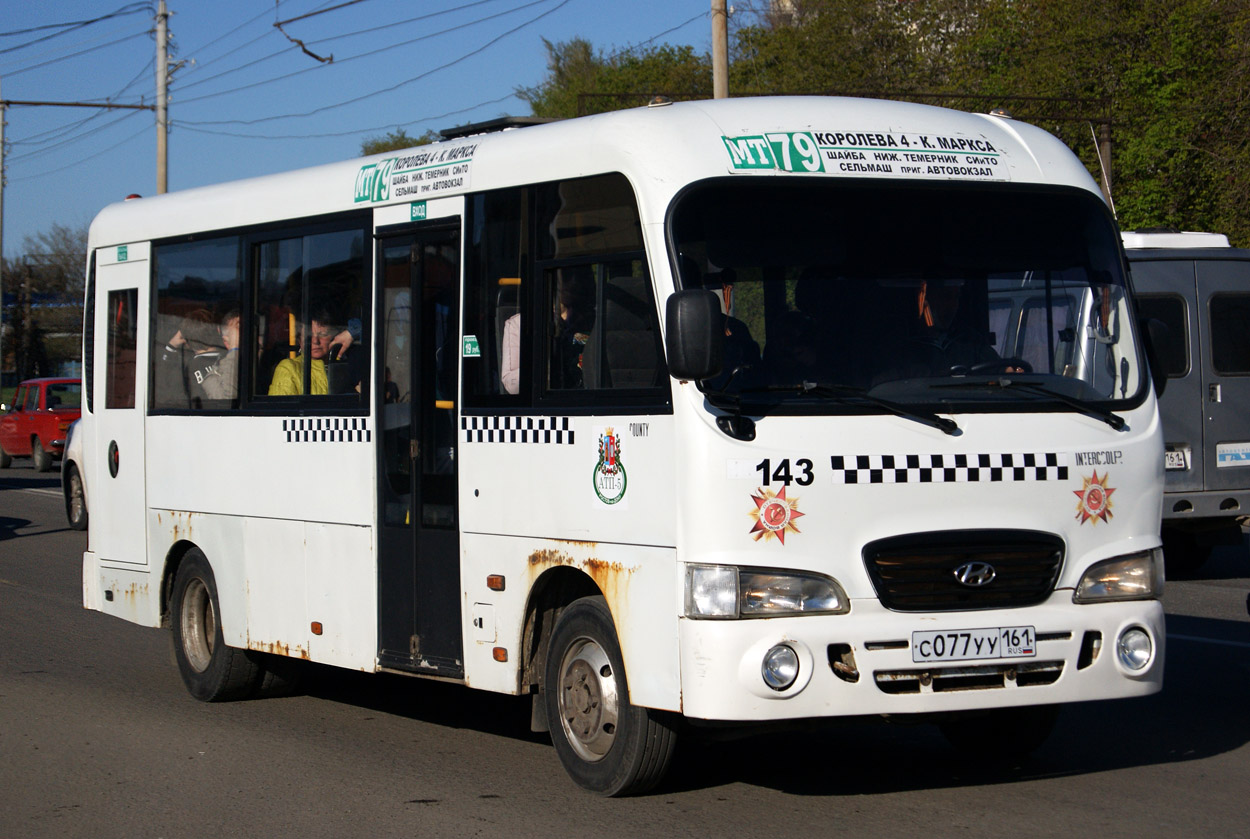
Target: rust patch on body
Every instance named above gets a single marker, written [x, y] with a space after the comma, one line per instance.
[612, 578]
[135, 590]
[278, 648]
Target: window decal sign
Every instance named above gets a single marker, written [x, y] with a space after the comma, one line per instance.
[869, 153]
[609, 473]
[1095, 499]
[774, 515]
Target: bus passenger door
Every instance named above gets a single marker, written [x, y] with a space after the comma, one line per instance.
[419, 548]
[115, 451]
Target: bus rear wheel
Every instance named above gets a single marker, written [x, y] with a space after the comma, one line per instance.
[606, 744]
[212, 671]
[75, 500]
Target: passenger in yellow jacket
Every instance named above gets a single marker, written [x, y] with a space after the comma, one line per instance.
[288, 376]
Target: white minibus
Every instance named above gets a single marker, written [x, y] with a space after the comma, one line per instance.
[680, 416]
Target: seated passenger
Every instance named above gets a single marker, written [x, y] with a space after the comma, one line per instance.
[224, 384]
[288, 376]
[202, 337]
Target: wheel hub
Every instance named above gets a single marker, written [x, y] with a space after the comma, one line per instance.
[199, 625]
[589, 706]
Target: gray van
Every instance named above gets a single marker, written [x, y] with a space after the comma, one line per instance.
[1200, 288]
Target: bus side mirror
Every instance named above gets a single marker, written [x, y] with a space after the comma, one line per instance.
[694, 334]
[1158, 338]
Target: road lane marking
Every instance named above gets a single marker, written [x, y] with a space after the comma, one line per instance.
[1221, 642]
[56, 492]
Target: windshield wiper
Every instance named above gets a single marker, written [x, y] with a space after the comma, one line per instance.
[1114, 420]
[743, 428]
[850, 392]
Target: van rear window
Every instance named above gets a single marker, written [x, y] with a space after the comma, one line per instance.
[1230, 341]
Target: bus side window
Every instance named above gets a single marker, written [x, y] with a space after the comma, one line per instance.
[573, 293]
[630, 331]
[199, 294]
[497, 263]
[309, 316]
[605, 335]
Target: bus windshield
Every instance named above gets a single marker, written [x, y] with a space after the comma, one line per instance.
[959, 297]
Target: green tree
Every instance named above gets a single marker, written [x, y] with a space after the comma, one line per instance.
[394, 141]
[1170, 77]
[44, 288]
[582, 81]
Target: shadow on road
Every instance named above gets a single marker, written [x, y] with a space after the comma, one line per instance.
[9, 527]
[437, 703]
[53, 481]
[1199, 714]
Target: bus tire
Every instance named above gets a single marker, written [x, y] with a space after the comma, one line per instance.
[75, 499]
[43, 460]
[212, 671]
[1001, 734]
[607, 745]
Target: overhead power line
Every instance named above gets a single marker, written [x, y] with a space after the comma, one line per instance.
[350, 132]
[185, 87]
[67, 56]
[382, 91]
[66, 28]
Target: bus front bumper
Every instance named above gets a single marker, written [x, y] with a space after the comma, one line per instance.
[866, 662]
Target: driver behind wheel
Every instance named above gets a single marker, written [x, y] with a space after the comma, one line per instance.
[937, 342]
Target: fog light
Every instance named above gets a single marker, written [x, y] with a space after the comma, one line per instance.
[780, 667]
[1134, 648]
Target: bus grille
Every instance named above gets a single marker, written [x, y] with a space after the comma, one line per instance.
[918, 572]
[979, 677]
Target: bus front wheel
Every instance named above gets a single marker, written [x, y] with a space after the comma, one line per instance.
[212, 671]
[606, 744]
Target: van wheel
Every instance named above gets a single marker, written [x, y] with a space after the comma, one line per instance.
[5, 459]
[1001, 734]
[1183, 555]
[75, 500]
[212, 671]
[606, 744]
[43, 460]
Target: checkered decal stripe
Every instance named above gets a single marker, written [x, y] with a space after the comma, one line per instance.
[333, 430]
[956, 468]
[542, 430]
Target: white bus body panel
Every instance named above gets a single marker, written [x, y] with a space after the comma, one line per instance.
[721, 659]
[527, 507]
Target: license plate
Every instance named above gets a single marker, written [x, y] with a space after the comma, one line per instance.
[973, 644]
[1176, 460]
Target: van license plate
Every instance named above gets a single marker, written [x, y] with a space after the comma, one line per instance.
[971, 644]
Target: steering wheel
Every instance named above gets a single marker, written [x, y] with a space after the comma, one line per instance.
[998, 365]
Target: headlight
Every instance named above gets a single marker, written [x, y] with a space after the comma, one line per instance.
[725, 591]
[1137, 576]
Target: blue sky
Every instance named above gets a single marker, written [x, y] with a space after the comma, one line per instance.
[246, 101]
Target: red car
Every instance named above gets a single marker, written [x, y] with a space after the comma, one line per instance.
[35, 425]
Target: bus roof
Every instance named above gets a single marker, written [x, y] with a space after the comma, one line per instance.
[660, 148]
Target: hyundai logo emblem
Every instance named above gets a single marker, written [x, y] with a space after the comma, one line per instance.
[975, 574]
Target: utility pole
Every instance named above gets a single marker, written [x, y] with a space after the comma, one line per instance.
[162, 99]
[720, 50]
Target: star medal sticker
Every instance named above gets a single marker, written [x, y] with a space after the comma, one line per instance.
[1095, 499]
[774, 515]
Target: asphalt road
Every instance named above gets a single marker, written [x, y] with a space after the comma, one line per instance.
[98, 738]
